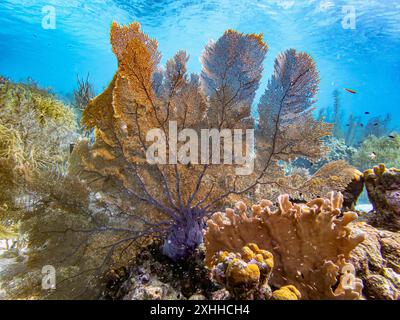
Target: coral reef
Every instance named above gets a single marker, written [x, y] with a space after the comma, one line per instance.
[357, 128]
[35, 132]
[334, 115]
[378, 126]
[383, 187]
[386, 149]
[353, 130]
[310, 243]
[245, 275]
[83, 93]
[353, 191]
[338, 150]
[34, 128]
[117, 223]
[143, 96]
[46, 228]
[337, 115]
[151, 275]
[286, 293]
[377, 262]
[303, 186]
[151, 289]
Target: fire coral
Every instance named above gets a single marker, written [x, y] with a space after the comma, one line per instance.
[310, 243]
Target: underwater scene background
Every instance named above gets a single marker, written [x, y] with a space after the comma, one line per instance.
[365, 59]
[77, 199]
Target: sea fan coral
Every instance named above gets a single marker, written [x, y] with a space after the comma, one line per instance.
[286, 125]
[310, 243]
[142, 96]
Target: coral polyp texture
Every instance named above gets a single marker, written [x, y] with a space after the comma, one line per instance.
[310, 243]
[383, 187]
[246, 274]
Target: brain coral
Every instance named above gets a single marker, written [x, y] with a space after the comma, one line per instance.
[310, 243]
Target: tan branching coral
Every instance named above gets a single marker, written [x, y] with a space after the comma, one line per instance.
[310, 243]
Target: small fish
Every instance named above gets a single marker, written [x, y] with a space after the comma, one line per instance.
[392, 137]
[366, 112]
[347, 125]
[375, 124]
[361, 125]
[372, 156]
[351, 91]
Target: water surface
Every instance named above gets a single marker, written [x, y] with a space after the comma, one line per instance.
[365, 59]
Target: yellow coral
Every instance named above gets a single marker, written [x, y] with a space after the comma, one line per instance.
[248, 253]
[7, 233]
[286, 293]
[380, 169]
[238, 273]
[244, 274]
[357, 175]
[262, 256]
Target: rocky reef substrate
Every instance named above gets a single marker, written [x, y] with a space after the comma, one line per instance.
[153, 276]
[373, 249]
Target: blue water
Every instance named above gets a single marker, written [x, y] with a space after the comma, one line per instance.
[365, 59]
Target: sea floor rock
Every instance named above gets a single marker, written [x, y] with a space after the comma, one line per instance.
[377, 262]
[152, 276]
[383, 187]
[353, 191]
[154, 290]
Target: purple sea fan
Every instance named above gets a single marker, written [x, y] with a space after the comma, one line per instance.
[171, 200]
[290, 91]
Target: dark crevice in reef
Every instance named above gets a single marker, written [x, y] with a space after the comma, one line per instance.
[152, 275]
